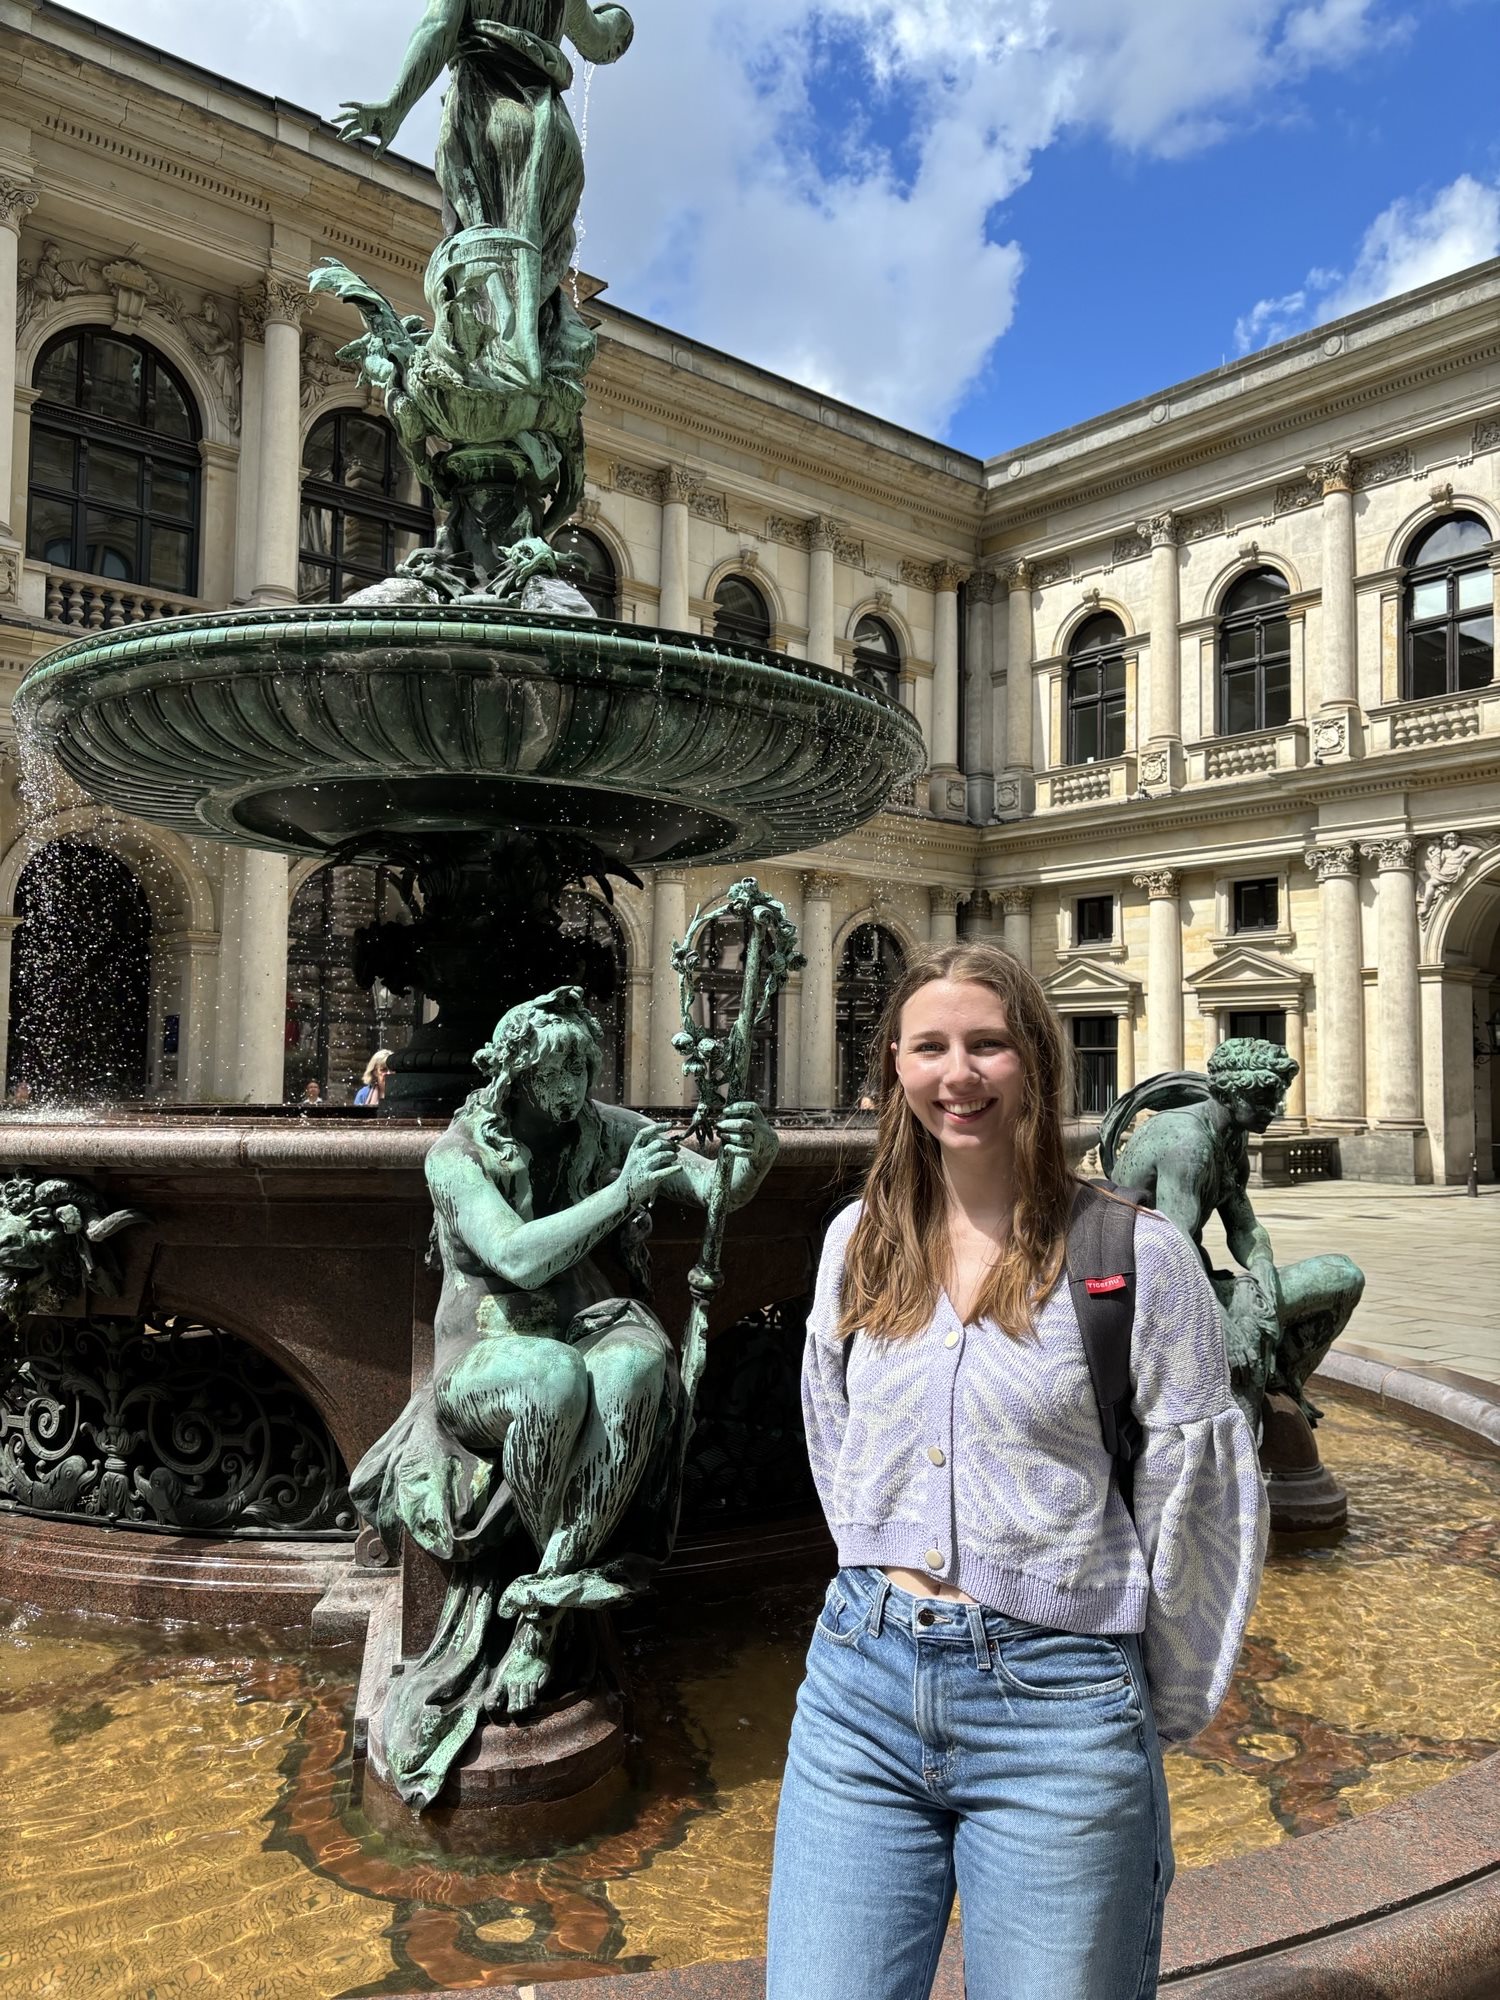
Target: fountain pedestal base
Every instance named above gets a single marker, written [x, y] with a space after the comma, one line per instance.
[1305, 1497]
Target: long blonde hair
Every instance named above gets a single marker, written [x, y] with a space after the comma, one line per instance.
[897, 1259]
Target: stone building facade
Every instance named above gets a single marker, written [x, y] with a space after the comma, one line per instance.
[1207, 682]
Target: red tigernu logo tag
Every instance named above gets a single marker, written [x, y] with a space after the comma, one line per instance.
[1096, 1285]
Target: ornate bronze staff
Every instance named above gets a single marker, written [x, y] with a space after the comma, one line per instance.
[720, 1068]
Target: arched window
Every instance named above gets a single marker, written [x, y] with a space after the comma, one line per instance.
[1096, 690]
[877, 657]
[740, 613]
[362, 510]
[85, 933]
[871, 963]
[1255, 655]
[720, 980]
[588, 565]
[1450, 609]
[584, 916]
[114, 462]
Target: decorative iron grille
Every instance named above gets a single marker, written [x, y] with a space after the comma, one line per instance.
[176, 1427]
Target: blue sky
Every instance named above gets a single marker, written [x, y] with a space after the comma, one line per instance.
[986, 219]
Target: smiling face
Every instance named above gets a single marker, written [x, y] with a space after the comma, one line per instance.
[958, 1065]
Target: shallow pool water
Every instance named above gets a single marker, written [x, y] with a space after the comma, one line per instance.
[180, 1825]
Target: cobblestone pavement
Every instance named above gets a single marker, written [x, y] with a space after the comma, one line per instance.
[1431, 1258]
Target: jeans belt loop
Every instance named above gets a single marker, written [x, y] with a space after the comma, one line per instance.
[979, 1636]
[877, 1608]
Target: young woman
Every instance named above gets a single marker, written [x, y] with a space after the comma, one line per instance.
[1005, 1648]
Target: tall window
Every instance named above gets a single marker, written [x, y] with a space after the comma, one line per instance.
[1094, 920]
[362, 511]
[1096, 690]
[1450, 609]
[1096, 1042]
[1257, 904]
[722, 950]
[871, 963]
[877, 657]
[114, 463]
[741, 613]
[1255, 655]
[588, 565]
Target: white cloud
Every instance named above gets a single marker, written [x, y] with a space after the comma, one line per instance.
[1413, 242]
[739, 186]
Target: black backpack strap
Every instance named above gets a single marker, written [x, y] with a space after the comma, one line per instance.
[1101, 1278]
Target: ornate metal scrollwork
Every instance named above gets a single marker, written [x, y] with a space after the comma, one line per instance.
[175, 1427]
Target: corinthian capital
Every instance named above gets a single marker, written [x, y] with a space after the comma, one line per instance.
[1161, 531]
[16, 202]
[284, 299]
[947, 575]
[818, 887]
[1015, 902]
[823, 534]
[1338, 474]
[1399, 854]
[1018, 576]
[678, 485]
[1160, 884]
[1337, 859]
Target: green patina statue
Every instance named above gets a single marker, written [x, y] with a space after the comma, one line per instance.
[487, 402]
[542, 1463]
[1192, 1161]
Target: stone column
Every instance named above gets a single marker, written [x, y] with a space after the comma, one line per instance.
[789, 1040]
[942, 917]
[1338, 696]
[638, 1037]
[1125, 1053]
[979, 916]
[817, 991]
[226, 1058]
[1340, 985]
[1163, 971]
[677, 487]
[278, 518]
[979, 705]
[820, 640]
[16, 202]
[1016, 904]
[252, 416]
[191, 955]
[1398, 994]
[1161, 760]
[1296, 1097]
[945, 747]
[1016, 791]
[261, 1054]
[668, 925]
[1485, 997]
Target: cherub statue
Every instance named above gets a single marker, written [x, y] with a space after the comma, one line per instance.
[1192, 1161]
[540, 1461]
[487, 403]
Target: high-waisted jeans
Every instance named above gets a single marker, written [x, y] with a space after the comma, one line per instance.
[940, 1746]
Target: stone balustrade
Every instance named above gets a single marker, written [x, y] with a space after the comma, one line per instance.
[1111, 778]
[1447, 718]
[83, 603]
[1253, 755]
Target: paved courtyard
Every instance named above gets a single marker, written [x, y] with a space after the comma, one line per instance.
[1431, 1258]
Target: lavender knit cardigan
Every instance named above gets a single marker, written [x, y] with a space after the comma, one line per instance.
[978, 1458]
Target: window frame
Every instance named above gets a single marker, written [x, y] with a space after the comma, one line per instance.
[727, 626]
[859, 1004]
[589, 580]
[392, 515]
[1106, 704]
[1096, 1066]
[84, 430]
[1237, 927]
[1107, 900]
[873, 667]
[1447, 571]
[1253, 618]
[1261, 1014]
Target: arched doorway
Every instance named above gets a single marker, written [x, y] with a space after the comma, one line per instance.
[1459, 910]
[584, 916]
[334, 1025]
[871, 963]
[80, 985]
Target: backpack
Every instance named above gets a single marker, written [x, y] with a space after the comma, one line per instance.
[1101, 1278]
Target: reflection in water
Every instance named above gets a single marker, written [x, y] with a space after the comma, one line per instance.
[181, 1822]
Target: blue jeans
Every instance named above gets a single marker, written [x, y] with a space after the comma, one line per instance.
[940, 1746]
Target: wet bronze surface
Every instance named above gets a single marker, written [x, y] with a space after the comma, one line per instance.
[180, 1821]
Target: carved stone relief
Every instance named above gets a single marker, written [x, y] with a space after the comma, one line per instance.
[1445, 862]
[207, 323]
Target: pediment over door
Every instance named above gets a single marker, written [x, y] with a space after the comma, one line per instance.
[1247, 978]
[1087, 986]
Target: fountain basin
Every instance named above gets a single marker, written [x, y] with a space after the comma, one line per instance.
[356, 729]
